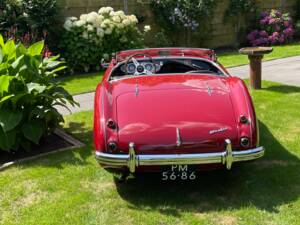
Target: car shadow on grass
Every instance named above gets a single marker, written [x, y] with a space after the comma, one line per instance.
[265, 184]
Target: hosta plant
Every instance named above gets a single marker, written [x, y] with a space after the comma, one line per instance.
[28, 95]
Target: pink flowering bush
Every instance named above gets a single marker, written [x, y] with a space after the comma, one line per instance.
[275, 28]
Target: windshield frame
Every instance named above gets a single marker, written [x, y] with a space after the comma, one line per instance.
[215, 64]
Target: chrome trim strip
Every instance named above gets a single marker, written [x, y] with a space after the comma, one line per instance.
[178, 137]
[229, 155]
[131, 161]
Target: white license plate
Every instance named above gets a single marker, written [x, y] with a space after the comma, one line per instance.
[179, 172]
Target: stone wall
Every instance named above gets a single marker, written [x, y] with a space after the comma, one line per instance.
[224, 34]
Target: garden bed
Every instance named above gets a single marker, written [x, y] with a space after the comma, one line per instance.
[56, 142]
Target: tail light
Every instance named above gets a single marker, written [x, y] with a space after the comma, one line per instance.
[112, 146]
[245, 142]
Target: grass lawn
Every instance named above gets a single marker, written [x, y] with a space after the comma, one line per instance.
[77, 84]
[230, 59]
[70, 188]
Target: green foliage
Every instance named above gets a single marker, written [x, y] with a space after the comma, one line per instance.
[185, 21]
[28, 20]
[297, 29]
[161, 39]
[298, 10]
[243, 15]
[28, 95]
[42, 14]
[237, 7]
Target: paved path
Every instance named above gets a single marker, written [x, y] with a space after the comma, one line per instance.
[286, 71]
[86, 102]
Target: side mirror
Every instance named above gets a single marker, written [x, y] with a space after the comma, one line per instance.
[104, 64]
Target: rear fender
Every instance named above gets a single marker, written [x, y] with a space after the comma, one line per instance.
[243, 105]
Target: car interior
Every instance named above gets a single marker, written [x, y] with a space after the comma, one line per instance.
[165, 65]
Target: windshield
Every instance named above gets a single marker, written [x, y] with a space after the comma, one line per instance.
[160, 66]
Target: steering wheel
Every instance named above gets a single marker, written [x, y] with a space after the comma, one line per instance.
[140, 69]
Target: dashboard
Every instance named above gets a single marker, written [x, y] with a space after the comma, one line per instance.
[152, 67]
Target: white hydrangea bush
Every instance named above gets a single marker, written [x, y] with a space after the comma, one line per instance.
[97, 35]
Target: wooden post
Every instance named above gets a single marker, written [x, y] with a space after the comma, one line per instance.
[255, 55]
[255, 71]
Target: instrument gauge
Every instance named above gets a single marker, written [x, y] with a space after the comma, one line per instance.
[149, 67]
[130, 68]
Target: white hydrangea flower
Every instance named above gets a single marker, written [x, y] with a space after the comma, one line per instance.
[126, 22]
[112, 13]
[116, 19]
[100, 17]
[83, 17]
[79, 23]
[68, 24]
[72, 18]
[106, 23]
[133, 19]
[147, 28]
[93, 13]
[98, 20]
[101, 10]
[120, 14]
[105, 10]
[100, 32]
[91, 17]
[120, 26]
[85, 35]
[90, 28]
[109, 9]
[108, 31]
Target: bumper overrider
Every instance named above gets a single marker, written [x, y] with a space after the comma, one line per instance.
[133, 160]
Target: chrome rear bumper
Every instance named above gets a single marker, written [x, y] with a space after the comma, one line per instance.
[132, 160]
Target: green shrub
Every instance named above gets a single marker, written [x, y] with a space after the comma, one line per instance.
[28, 21]
[95, 36]
[185, 22]
[28, 95]
[297, 29]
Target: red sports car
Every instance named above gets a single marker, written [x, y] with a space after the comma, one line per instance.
[174, 111]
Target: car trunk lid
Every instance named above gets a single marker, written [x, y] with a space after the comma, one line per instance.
[185, 119]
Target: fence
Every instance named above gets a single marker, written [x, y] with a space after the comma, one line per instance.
[224, 34]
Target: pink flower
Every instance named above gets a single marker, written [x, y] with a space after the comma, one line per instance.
[264, 14]
[272, 39]
[281, 39]
[264, 41]
[288, 32]
[278, 14]
[263, 33]
[272, 21]
[275, 34]
[251, 36]
[277, 28]
[286, 23]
